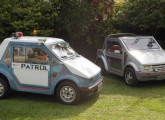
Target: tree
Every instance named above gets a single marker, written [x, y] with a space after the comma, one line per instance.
[83, 23]
[27, 15]
[144, 15]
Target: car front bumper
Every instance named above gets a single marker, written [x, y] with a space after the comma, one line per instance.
[145, 76]
[92, 89]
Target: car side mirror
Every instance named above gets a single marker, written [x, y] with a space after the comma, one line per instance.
[117, 51]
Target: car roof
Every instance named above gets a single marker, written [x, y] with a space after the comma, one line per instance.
[29, 39]
[33, 39]
[121, 35]
[125, 35]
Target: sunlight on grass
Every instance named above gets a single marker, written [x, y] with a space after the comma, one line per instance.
[115, 101]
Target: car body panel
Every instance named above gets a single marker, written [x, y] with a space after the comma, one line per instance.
[117, 60]
[43, 78]
[149, 57]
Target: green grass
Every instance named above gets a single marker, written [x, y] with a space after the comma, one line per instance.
[115, 101]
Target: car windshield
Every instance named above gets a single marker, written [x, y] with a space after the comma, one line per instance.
[62, 50]
[141, 43]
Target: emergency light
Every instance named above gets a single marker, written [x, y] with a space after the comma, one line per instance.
[17, 35]
[34, 32]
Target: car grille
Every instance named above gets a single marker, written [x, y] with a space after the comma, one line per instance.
[158, 67]
[96, 78]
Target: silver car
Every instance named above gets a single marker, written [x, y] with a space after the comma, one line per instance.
[136, 58]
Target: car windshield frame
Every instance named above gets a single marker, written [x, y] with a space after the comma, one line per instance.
[140, 43]
[62, 49]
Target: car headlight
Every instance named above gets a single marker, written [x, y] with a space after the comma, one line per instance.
[147, 68]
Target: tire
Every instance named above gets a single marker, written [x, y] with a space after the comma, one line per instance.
[101, 65]
[68, 93]
[130, 77]
[4, 88]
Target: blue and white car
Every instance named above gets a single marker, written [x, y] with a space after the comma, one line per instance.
[47, 66]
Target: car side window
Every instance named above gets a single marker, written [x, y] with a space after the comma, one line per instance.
[7, 58]
[30, 55]
[109, 44]
[19, 54]
[114, 47]
[36, 55]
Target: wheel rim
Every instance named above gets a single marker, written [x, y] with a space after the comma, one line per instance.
[67, 94]
[129, 77]
[2, 89]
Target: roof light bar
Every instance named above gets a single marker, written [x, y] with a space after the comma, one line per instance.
[34, 32]
[17, 35]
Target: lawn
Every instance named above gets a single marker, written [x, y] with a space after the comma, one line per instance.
[115, 101]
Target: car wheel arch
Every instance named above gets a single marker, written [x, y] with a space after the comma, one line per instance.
[64, 80]
[5, 78]
[128, 66]
[132, 65]
[104, 62]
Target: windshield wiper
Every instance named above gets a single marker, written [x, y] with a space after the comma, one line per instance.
[70, 53]
[135, 41]
[150, 44]
[63, 56]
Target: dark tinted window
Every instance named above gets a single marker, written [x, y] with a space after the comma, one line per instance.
[30, 55]
[112, 45]
[7, 58]
[19, 54]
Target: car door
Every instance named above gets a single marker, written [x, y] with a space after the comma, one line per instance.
[31, 66]
[114, 57]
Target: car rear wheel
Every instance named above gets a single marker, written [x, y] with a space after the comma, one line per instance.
[130, 77]
[101, 65]
[4, 88]
[68, 93]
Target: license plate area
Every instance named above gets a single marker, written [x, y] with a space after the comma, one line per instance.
[100, 86]
[161, 77]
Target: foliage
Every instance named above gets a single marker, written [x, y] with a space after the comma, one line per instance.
[86, 23]
[141, 15]
[75, 18]
[79, 22]
[26, 16]
[103, 23]
[101, 8]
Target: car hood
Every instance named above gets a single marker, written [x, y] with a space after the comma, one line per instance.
[82, 67]
[149, 57]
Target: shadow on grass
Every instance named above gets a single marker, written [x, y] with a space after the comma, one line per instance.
[20, 105]
[23, 105]
[114, 84]
[48, 98]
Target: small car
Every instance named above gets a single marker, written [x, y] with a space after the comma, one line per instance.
[46, 65]
[136, 58]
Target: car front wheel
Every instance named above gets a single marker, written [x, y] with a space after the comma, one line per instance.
[130, 77]
[68, 93]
